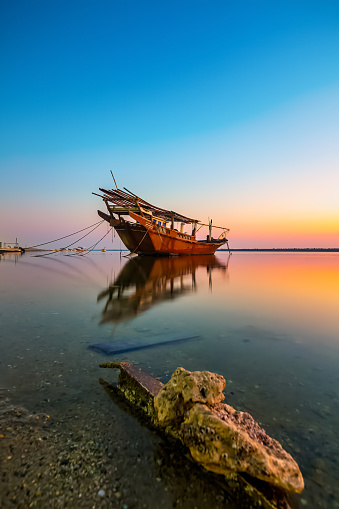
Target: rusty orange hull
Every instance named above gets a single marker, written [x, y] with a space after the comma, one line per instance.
[146, 238]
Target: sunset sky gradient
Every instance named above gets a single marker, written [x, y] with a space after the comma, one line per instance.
[218, 109]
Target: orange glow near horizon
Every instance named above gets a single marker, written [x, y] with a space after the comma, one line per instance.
[296, 290]
[278, 232]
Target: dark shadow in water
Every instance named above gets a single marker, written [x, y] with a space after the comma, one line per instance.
[127, 346]
[178, 471]
[146, 281]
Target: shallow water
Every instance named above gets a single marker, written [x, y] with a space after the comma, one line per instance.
[267, 322]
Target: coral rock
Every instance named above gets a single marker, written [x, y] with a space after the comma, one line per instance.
[223, 440]
[219, 437]
[184, 389]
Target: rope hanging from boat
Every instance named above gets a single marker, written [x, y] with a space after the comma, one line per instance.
[158, 230]
[134, 250]
[94, 245]
[70, 235]
[76, 241]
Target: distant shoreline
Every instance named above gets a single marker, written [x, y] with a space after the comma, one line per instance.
[268, 250]
[289, 249]
[250, 250]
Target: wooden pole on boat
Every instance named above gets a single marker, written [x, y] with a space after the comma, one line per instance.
[114, 179]
[205, 224]
[130, 192]
[210, 229]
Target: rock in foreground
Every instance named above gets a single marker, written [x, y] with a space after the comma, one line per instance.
[223, 440]
[219, 437]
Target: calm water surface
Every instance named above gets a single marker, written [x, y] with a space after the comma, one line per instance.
[268, 323]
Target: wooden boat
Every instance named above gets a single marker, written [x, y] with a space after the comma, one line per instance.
[153, 230]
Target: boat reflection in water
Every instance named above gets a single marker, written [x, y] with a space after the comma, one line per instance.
[146, 281]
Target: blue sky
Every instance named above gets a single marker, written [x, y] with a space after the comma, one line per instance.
[183, 100]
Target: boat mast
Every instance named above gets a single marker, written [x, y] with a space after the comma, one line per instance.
[114, 179]
[210, 229]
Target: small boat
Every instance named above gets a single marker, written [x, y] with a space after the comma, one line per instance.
[11, 249]
[152, 231]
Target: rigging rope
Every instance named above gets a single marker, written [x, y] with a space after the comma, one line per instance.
[136, 247]
[94, 245]
[157, 227]
[70, 235]
[76, 241]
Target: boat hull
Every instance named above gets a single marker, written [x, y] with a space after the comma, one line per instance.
[146, 238]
